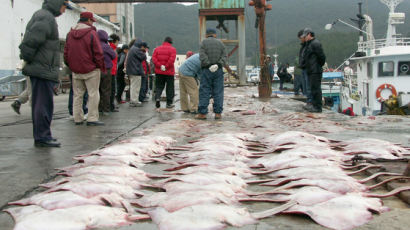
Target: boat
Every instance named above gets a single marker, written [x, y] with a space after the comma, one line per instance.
[382, 69]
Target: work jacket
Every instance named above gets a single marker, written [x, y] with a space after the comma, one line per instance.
[164, 55]
[109, 53]
[134, 60]
[191, 67]
[40, 48]
[82, 51]
[313, 57]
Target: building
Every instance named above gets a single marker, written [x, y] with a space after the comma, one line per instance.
[121, 14]
[14, 16]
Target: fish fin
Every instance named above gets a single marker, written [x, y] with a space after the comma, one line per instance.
[136, 217]
[273, 211]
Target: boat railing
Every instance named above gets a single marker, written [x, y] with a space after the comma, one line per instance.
[380, 43]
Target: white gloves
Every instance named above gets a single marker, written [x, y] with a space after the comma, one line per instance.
[163, 68]
[213, 68]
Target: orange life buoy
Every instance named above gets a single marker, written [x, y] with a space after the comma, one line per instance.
[381, 88]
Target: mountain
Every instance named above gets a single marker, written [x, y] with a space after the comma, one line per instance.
[155, 21]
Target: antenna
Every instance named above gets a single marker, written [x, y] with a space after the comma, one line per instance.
[394, 19]
[392, 4]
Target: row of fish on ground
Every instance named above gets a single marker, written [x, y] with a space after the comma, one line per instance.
[209, 181]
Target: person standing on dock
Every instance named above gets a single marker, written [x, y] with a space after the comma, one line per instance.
[84, 56]
[40, 51]
[163, 58]
[189, 74]
[313, 60]
[212, 54]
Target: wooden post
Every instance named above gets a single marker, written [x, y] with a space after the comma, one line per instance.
[265, 84]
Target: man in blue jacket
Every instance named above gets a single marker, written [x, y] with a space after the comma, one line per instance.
[189, 73]
[40, 49]
[135, 71]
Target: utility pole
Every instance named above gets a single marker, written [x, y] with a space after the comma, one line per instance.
[265, 84]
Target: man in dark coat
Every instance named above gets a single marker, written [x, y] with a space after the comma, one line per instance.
[135, 71]
[40, 49]
[314, 58]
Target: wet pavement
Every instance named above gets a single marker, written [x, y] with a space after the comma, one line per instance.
[23, 167]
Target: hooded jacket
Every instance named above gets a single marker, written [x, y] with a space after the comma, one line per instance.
[109, 53]
[82, 51]
[134, 59]
[164, 55]
[40, 48]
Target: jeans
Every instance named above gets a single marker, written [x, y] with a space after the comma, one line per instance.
[143, 88]
[308, 91]
[211, 84]
[297, 84]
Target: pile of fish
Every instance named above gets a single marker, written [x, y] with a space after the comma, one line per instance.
[209, 180]
[311, 173]
[96, 192]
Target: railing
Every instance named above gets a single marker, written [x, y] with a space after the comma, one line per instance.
[380, 43]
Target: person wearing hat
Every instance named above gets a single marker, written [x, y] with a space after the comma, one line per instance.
[212, 54]
[40, 52]
[121, 74]
[163, 59]
[84, 56]
[144, 79]
[313, 60]
[302, 67]
[106, 77]
[135, 72]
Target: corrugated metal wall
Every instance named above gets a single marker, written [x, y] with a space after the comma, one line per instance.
[221, 4]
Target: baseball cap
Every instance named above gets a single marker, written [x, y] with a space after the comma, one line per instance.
[67, 4]
[88, 15]
[307, 31]
[210, 31]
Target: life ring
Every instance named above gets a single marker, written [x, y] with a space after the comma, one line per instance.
[381, 88]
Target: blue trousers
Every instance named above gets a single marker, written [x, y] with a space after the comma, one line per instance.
[308, 91]
[42, 107]
[211, 84]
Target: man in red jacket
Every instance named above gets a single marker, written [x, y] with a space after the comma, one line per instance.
[164, 58]
[84, 56]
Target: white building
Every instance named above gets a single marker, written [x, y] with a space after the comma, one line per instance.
[14, 16]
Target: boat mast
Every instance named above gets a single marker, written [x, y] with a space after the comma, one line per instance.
[394, 19]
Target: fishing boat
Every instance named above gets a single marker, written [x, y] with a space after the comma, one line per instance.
[382, 69]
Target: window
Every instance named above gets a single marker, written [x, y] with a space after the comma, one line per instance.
[386, 69]
[124, 25]
[105, 17]
[131, 35]
[404, 68]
